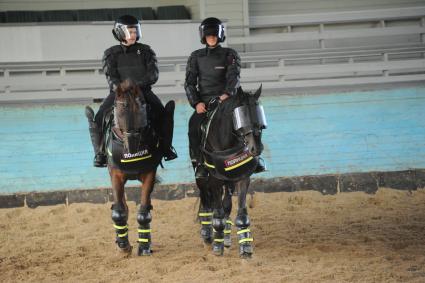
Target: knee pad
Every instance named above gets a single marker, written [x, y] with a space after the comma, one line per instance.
[144, 216]
[218, 224]
[242, 220]
[119, 215]
[218, 221]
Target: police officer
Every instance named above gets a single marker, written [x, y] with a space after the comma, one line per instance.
[137, 62]
[211, 72]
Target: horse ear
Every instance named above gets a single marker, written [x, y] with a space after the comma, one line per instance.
[118, 91]
[258, 92]
[239, 91]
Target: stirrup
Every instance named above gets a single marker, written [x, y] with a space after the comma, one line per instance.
[99, 160]
[170, 154]
[261, 166]
[201, 172]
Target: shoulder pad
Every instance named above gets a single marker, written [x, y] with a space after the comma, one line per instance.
[112, 50]
[202, 51]
[145, 48]
[231, 51]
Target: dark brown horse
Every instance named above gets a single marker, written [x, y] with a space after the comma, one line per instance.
[133, 154]
[231, 151]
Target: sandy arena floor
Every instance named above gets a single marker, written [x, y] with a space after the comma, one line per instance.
[299, 237]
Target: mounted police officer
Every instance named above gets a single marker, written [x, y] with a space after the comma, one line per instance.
[137, 62]
[211, 72]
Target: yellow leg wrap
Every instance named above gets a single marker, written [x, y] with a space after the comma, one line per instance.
[219, 240]
[122, 235]
[246, 240]
[143, 240]
[120, 227]
[243, 231]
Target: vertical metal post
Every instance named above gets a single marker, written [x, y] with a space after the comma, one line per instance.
[321, 40]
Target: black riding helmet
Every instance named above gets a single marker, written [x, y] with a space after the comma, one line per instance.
[211, 26]
[120, 30]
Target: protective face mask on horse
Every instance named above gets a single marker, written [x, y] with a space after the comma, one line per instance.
[246, 117]
[137, 123]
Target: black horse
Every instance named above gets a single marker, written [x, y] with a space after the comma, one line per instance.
[231, 149]
[133, 153]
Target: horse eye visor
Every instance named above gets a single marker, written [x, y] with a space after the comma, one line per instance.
[245, 117]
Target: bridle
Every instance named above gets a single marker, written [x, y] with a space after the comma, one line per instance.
[132, 135]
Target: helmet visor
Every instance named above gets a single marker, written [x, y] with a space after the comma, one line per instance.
[217, 30]
[129, 31]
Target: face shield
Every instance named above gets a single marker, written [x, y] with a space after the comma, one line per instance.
[126, 32]
[212, 29]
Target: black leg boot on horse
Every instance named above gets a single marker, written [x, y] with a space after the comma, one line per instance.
[218, 223]
[244, 233]
[96, 139]
[205, 218]
[120, 217]
[167, 127]
[144, 219]
[227, 206]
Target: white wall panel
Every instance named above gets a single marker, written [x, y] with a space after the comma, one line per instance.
[287, 7]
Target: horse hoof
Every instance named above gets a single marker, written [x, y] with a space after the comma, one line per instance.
[144, 252]
[218, 249]
[227, 241]
[126, 250]
[207, 241]
[245, 255]
[206, 235]
[246, 251]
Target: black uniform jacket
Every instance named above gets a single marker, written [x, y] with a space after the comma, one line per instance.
[136, 62]
[211, 72]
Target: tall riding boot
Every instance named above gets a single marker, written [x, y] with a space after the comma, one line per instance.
[167, 128]
[96, 139]
[261, 166]
[200, 170]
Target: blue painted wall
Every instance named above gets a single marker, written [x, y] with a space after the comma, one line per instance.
[48, 148]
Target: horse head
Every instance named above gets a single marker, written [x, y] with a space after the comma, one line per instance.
[249, 120]
[130, 115]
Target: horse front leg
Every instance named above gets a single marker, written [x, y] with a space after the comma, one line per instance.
[229, 189]
[120, 210]
[218, 221]
[243, 222]
[144, 216]
[205, 212]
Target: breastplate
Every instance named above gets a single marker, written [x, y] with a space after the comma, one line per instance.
[131, 66]
[212, 73]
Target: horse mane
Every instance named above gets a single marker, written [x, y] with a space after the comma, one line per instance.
[231, 103]
[223, 120]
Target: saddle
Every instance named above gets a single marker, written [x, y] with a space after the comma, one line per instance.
[231, 164]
